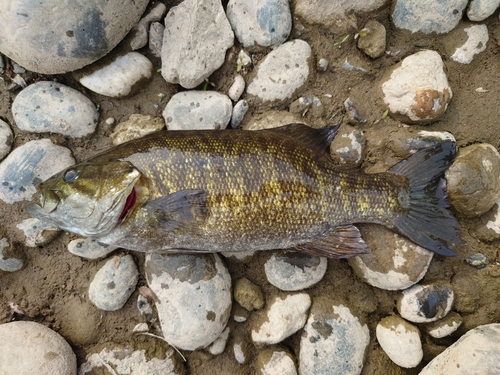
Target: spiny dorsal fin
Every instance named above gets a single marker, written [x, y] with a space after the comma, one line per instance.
[314, 138]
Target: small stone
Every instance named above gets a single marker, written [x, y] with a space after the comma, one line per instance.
[110, 121]
[400, 340]
[241, 349]
[122, 77]
[198, 110]
[272, 119]
[275, 362]
[353, 116]
[479, 10]
[240, 314]
[140, 30]
[478, 260]
[239, 111]
[300, 105]
[114, 283]
[477, 37]
[348, 147]
[244, 59]
[135, 127]
[90, 248]
[248, 295]
[141, 327]
[218, 346]
[38, 232]
[18, 69]
[425, 303]
[372, 39]
[156, 31]
[6, 139]
[444, 327]
[239, 256]
[236, 88]
[322, 65]
[53, 107]
[144, 307]
[425, 139]
[281, 319]
[290, 271]
[8, 264]
[2, 65]
[317, 108]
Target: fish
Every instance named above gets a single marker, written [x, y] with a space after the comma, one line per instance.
[236, 190]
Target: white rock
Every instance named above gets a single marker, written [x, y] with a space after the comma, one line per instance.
[53, 107]
[400, 340]
[281, 319]
[425, 303]
[282, 71]
[197, 110]
[31, 348]
[479, 10]
[141, 327]
[239, 111]
[476, 352]
[140, 31]
[322, 65]
[244, 58]
[239, 256]
[8, 264]
[276, 362]
[444, 327]
[188, 61]
[136, 126]
[239, 354]
[219, 344]
[114, 283]
[90, 248]
[6, 139]
[38, 232]
[156, 31]
[477, 37]
[236, 88]
[120, 77]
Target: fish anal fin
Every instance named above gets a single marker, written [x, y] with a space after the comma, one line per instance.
[342, 242]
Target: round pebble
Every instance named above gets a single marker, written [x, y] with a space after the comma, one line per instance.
[236, 88]
[239, 256]
[136, 126]
[323, 65]
[371, 39]
[53, 107]
[6, 139]
[140, 30]
[444, 327]
[248, 295]
[8, 264]
[114, 283]
[219, 344]
[239, 111]
[90, 248]
[156, 31]
[275, 362]
[241, 349]
[477, 37]
[291, 271]
[425, 303]
[348, 147]
[479, 10]
[38, 232]
[144, 306]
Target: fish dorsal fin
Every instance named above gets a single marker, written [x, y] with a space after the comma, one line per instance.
[314, 138]
[180, 209]
[342, 242]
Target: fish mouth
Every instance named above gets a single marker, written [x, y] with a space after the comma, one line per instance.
[44, 201]
[129, 203]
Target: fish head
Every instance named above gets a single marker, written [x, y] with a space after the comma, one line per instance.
[88, 199]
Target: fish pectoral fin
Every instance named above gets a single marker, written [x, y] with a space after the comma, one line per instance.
[343, 241]
[180, 209]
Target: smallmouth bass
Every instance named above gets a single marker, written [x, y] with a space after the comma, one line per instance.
[233, 190]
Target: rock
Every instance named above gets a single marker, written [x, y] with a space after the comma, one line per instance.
[193, 294]
[38, 232]
[424, 139]
[156, 31]
[188, 61]
[372, 39]
[478, 260]
[140, 31]
[275, 362]
[400, 340]
[282, 71]
[122, 77]
[136, 126]
[239, 256]
[31, 348]
[416, 90]
[322, 65]
[6, 139]
[8, 264]
[197, 110]
[301, 105]
[114, 283]
[53, 107]
[477, 37]
[474, 179]
[89, 248]
[244, 60]
[428, 16]
[2, 65]
[241, 349]
[474, 353]
[54, 36]
[444, 327]
[353, 116]
[479, 10]
[348, 147]
[272, 119]
[236, 88]
[292, 271]
[240, 315]
[282, 318]
[425, 303]
[394, 262]
[141, 327]
[264, 22]
[331, 328]
[145, 308]
[219, 344]
[488, 229]
[239, 111]
[248, 295]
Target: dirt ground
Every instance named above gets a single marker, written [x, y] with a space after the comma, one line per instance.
[52, 287]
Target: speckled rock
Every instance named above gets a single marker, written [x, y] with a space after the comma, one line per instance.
[292, 271]
[121, 77]
[57, 36]
[325, 333]
[394, 262]
[474, 179]
[348, 147]
[444, 327]
[476, 352]
[425, 303]
[248, 295]
[372, 39]
[275, 362]
[218, 346]
[282, 318]
[8, 263]
[197, 110]
[31, 348]
[53, 107]
[477, 37]
[282, 71]
[400, 340]
[136, 126]
[114, 283]
[6, 139]
[479, 10]
[188, 61]
[89, 248]
[38, 232]
[193, 294]
[272, 119]
[416, 90]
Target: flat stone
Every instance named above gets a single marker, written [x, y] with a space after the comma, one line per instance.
[38, 232]
[6, 139]
[276, 362]
[444, 327]
[479, 10]
[477, 37]
[248, 294]
[136, 126]
[425, 303]
[372, 39]
[89, 248]
[56, 108]
[7, 263]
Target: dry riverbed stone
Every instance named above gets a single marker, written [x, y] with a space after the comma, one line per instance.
[425, 303]
[6, 139]
[276, 362]
[248, 295]
[444, 327]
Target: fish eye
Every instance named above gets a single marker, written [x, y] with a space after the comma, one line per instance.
[71, 175]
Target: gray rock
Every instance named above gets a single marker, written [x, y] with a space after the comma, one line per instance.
[219, 345]
[156, 31]
[294, 271]
[474, 179]
[6, 139]
[331, 328]
[28, 164]
[89, 248]
[322, 65]
[188, 61]
[193, 294]
[425, 139]
[197, 110]
[239, 111]
[264, 22]
[478, 260]
[282, 71]
[114, 283]
[136, 126]
[31, 348]
[140, 31]
[145, 308]
[2, 65]
[53, 107]
[236, 88]
[353, 116]
[425, 303]
[57, 36]
[275, 362]
[8, 264]
[248, 294]
[477, 37]
[272, 119]
[444, 327]
[301, 105]
[38, 232]
[428, 16]
[18, 69]
[476, 352]
[372, 39]
[348, 147]
[479, 10]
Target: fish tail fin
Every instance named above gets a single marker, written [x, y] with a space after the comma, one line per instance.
[428, 220]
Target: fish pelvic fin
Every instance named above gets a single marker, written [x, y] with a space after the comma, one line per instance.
[427, 219]
[343, 241]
